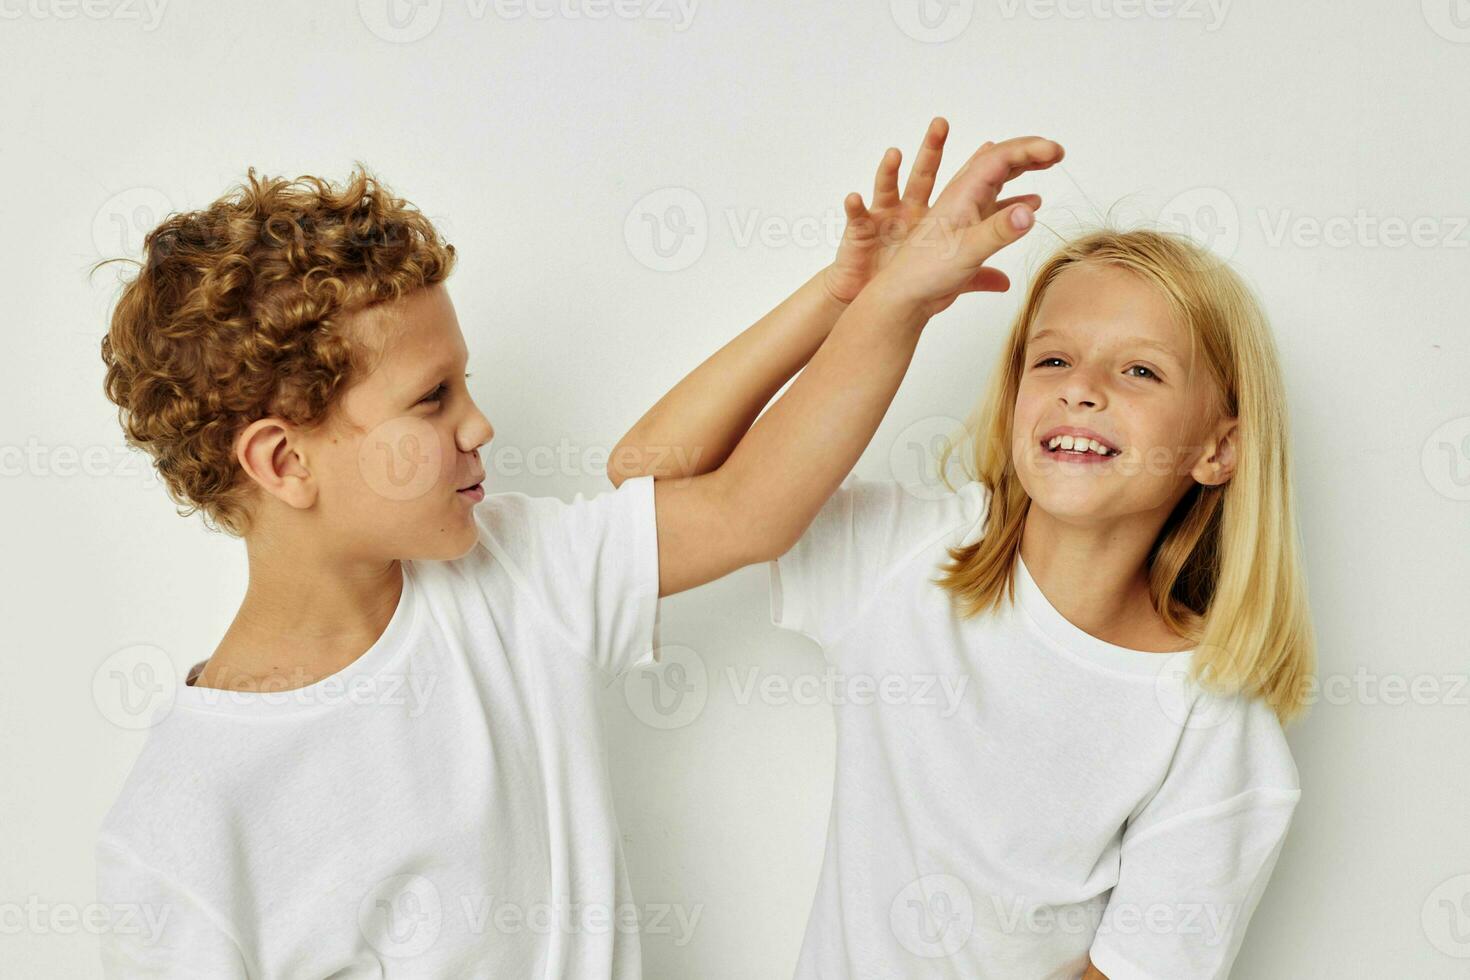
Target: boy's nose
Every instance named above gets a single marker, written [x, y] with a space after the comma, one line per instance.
[477, 432]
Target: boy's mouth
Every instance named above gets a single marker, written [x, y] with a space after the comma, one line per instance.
[475, 492]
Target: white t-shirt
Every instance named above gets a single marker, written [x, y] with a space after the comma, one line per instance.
[438, 808]
[1012, 792]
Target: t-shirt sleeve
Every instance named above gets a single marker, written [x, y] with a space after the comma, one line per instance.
[591, 565]
[157, 930]
[1195, 859]
[866, 529]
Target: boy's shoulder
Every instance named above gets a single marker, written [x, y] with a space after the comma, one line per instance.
[514, 530]
[178, 783]
[523, 536]
[511, 521]
[510, 516]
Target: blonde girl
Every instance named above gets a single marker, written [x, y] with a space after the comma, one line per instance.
[1113, 596]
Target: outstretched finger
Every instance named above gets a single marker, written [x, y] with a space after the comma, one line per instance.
[966, 165]
[1006, 161]
[926, 165]
[885, 184]
[990, 168]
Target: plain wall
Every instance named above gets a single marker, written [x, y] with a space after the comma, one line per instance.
[1321, 146]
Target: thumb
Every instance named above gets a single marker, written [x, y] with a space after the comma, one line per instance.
[988, 280]
[996, 232]
[859, 221]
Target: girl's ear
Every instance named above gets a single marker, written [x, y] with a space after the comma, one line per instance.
[266, 450]
[1217, 463]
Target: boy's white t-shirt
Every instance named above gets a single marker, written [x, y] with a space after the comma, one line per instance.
[1013, 793]
[438, 808]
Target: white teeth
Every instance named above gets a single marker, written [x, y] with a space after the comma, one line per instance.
[1079, 444]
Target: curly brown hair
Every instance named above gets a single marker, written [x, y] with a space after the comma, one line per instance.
[236, 314]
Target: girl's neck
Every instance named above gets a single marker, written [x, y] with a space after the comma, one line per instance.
[1097, 577]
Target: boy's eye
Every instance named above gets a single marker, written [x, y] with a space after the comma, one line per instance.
[435, 395]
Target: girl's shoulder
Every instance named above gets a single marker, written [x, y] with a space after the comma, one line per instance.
[907, 520]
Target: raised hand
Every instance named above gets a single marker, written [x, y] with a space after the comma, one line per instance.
[874, 235]
[945, 254]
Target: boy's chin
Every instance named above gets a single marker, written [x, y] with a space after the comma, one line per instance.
[463, 548]
[452, 544]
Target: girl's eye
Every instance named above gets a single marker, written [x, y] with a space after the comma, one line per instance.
[1148, 372]
[435, 395]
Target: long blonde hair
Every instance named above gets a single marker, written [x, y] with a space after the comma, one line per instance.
[1225, 571]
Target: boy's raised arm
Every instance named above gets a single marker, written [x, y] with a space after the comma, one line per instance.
[694, 427]
[756, 503]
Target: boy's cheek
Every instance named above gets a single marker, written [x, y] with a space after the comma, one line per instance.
[392, 492]
[403, 459]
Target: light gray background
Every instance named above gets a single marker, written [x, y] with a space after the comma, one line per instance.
[1321, 145]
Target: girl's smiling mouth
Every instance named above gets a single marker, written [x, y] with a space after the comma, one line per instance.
[1077, 445]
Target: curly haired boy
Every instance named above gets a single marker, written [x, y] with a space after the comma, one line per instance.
[392, 763]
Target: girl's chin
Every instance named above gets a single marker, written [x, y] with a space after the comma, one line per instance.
[1064, 497]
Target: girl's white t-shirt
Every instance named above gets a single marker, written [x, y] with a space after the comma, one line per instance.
[1013, 793]
[438, 808]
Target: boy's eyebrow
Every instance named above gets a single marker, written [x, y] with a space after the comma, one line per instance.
[427, 379]
[423, 381]
[1162, 348]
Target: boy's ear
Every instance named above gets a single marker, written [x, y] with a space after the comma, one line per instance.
[1217, 463]
[268, 452]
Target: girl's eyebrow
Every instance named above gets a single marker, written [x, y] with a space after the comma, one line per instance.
[1159, 346]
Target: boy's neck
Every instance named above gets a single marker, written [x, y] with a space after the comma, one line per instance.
[303, 618]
